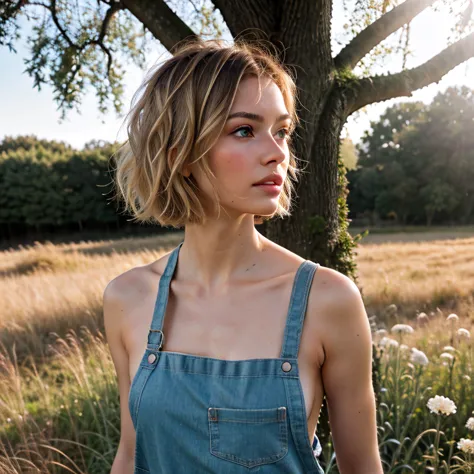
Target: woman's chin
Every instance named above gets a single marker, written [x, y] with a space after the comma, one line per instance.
[264, 210]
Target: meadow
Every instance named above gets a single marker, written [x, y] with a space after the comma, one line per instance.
[59, 405]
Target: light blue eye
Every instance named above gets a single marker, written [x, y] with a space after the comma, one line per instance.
[287, 133]
[248, 129]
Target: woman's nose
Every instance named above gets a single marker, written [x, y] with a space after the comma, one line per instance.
[274, 151]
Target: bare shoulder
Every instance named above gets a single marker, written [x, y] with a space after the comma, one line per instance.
[123, 291]
[336, 312]
[334, 289]
[330, 288]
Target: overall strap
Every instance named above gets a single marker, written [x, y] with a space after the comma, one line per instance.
[155, 334]
[297, 309]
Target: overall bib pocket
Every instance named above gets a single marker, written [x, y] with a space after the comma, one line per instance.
[249, 437]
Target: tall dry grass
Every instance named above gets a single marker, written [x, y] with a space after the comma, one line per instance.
[58, 396]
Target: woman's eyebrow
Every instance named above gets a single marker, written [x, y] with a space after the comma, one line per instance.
[256, 117]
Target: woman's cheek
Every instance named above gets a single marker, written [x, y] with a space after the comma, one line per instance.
[230, 160]
[236, 163]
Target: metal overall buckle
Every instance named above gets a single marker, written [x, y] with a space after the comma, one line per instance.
[162, 336]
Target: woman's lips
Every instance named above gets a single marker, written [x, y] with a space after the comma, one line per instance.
[269, 188]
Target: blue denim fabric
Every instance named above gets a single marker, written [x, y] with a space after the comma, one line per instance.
[196, 414]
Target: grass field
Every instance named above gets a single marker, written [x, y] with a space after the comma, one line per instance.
[58, 393]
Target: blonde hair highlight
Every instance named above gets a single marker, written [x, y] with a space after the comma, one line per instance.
[183, 105]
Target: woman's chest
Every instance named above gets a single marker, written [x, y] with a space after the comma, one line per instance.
[239, 326]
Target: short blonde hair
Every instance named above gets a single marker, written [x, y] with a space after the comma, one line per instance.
[184, 105]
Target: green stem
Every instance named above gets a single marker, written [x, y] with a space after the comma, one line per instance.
[397, 398]
[409, 417]
[438, 423]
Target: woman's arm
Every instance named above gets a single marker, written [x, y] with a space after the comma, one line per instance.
[347, 378]
[113, 308]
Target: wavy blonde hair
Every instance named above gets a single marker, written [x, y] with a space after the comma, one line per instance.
[184, 105]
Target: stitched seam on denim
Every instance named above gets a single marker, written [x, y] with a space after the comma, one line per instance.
[252, 462]
[132, 394]
[294, 335]
[295, 343]
[191, 356]
[308, 443]
[309, 280]
[162, 296]
[215, 439]
[140, 392]
[255, 422]
[136, 393]
[231, 376]
[260, 410]
[148, 367]
[295, 431]
[289, 318]
[266, 414]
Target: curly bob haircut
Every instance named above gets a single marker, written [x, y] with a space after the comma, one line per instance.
[183, 105]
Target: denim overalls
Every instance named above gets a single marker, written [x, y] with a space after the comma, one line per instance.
[196, 414]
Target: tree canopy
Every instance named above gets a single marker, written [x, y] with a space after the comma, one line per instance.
[416, 164]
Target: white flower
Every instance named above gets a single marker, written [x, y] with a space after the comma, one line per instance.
[391, 309]
[464, 333]
[422, 318]
[470, 424]
[418, 357]
[402, 328]
[466, 445]
[454, 318]
[446, 355]
[381, 332]
[466, 377]
[449, 349]
[404, 347]
[439, 404]
[387, 341]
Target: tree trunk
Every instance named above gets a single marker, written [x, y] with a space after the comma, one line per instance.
[304, 28]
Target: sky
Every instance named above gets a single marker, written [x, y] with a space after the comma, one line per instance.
[25, 110]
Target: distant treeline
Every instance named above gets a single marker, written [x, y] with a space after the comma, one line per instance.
[48, 186]
[416, 164]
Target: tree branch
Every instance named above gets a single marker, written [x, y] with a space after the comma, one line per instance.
[99, 41]
[379, 30]
[161, 21]
[379, 88]
[256, 16]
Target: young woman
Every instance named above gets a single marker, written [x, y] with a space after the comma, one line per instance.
[225, 346]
